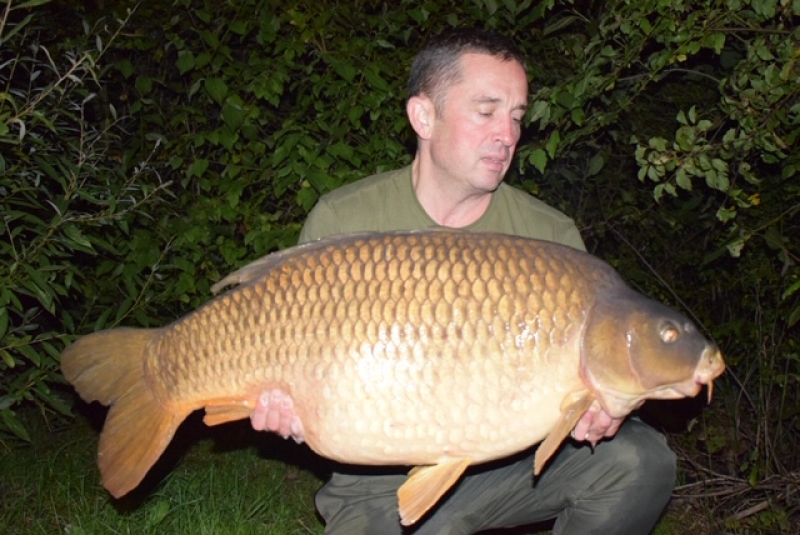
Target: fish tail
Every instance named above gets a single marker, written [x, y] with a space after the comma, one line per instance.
[108, 367]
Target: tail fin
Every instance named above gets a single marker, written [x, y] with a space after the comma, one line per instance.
[108, 367]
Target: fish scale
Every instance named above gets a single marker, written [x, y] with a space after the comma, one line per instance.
[437, 349]
[411, 334]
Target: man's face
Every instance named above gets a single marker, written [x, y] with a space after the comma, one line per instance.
[477, 127]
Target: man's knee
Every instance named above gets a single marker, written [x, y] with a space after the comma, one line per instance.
[626, 485]
[644, 458]
[360, 505]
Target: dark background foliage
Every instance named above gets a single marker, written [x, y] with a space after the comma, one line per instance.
[149, 149]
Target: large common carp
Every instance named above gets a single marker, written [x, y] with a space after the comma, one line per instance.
[435, 349]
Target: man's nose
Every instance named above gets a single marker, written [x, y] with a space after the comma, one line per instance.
[507, 131]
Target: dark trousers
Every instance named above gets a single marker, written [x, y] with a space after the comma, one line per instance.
[619, 488]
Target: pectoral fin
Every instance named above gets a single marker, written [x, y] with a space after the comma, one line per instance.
[220, 411]
[570, 416]
[425, 485]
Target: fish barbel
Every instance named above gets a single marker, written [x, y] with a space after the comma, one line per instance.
[434, 349]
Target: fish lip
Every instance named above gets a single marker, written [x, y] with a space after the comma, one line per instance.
[711, 364]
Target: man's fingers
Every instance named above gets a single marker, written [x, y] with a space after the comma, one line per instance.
[258, 419]
[274, 411]
[296, 430]
[596, 425]
[582, 428]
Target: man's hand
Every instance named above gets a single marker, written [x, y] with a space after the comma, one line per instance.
[595, 425]
[275, 412]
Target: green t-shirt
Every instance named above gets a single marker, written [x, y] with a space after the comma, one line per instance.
[386, 202]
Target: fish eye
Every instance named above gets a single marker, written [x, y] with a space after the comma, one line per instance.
[669, 334]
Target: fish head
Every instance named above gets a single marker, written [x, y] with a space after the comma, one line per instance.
[635, 348]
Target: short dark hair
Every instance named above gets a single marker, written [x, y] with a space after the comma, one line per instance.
[438, 64]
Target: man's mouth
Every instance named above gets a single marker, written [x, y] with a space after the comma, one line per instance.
[495, 161]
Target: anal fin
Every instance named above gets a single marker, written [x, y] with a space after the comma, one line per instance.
[220, 411]
[570, 416]
[425, 485]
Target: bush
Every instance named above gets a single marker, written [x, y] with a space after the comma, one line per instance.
[69, 194]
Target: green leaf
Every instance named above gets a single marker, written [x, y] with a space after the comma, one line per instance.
[726, 214]
[374, 79]
[735, 247]
[538, 158]
[211, 39]
[216, 88]
[658, 143]
[30, 353]
[559, 24]
[125, 67]
[6, 402]
[29, 4]
[144, 85]
[203, 15]
[233, 115]
[793, 317]
[596, 164]
[791, 289]
[7, 358]
[344, 68]
[764, 53]
[185, 62]
[341, 150]
[3, 322]
[15, 29]
[717, 180]
[38, 287]
[9, 421]
[239, 27]
[102, 320]
[552, 144]
[79, 241]
[198, 167]
[682, 179]
[202, 59]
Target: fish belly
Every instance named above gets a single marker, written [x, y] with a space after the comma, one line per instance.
[415, 414]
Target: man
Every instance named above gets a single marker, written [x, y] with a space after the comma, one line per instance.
[468, 95]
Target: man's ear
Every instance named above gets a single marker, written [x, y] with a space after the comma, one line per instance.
[421, 115]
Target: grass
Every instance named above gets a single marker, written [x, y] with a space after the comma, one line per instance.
[219, 481]
[214, 481]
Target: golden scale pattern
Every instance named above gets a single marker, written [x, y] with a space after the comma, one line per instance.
[390, 321]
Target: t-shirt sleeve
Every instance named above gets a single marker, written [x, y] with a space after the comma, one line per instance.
[321, 222]
[570, 235]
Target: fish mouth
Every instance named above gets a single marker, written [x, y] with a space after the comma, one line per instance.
[619, 403]
[710, 367]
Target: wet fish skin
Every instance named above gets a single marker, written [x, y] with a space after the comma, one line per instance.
[422, 348]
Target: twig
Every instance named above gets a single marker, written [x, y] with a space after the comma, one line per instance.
[757, 508]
